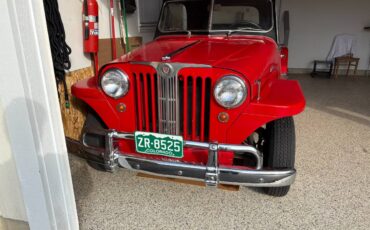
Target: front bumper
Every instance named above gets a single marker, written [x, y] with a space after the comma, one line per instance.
[211, 173]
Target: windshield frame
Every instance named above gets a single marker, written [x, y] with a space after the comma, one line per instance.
[209, 30]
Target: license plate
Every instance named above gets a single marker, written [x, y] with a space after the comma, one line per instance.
[159, 144]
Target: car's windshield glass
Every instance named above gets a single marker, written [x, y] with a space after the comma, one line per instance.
[225, 15]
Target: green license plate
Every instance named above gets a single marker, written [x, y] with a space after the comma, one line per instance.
[159, 144]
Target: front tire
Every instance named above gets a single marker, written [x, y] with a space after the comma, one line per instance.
[93, 121]
[279, 150]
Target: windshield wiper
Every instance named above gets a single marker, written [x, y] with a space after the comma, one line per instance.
[244, 29]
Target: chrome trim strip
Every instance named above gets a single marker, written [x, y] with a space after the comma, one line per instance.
[183, 65]
[277, 20]
[210, 19]
[258, 82]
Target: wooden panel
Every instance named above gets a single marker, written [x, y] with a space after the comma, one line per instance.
[105, 48]
[135, 42]
[74, 116]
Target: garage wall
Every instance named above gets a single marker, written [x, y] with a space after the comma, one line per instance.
[313, 27]
[314, 24]
[71, 13]
[133, 27]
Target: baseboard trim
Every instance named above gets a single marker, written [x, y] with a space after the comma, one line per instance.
[9, 224]
[341, 71]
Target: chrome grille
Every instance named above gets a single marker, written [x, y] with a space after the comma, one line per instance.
[169, 103]
[167, 100]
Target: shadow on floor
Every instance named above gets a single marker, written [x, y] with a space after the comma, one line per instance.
[345, 97]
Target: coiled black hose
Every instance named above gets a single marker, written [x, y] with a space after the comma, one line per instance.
[60, 50]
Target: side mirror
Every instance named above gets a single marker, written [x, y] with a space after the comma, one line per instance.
[284, 41]
[286, 28]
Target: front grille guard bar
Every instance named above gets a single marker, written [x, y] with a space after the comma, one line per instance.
[211, 173]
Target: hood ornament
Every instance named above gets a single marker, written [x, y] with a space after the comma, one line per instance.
[166, 58]
[165, 69]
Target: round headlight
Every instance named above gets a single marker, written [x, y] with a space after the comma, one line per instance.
[230, 91]
[115, 83]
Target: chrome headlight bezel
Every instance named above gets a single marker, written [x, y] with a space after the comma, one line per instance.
[123, 83]
[237, 80]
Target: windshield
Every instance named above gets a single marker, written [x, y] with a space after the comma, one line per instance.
[220, 15]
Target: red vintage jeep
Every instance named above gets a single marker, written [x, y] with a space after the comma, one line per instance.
[204, 101]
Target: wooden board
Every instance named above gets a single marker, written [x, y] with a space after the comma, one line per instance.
[189, 182]
[105, 48]
[135, 42]
[74, 116]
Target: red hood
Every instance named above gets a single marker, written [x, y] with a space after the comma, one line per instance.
[249, 55]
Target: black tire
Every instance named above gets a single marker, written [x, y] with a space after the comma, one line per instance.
[94, 121]
[279, 150]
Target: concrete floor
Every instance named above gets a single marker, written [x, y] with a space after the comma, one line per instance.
[332, 189]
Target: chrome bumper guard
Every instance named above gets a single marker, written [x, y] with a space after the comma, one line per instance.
[211, 173]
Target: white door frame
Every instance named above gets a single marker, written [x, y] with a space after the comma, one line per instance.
[32, 115]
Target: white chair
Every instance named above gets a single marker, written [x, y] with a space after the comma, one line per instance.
[343, 45]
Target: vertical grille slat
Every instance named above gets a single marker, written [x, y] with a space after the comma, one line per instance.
[177, 105]
[139, 107]
[202, 108]
[194, 110]
[185, 108]
[153, 98]
[207, 110]
[146, 101]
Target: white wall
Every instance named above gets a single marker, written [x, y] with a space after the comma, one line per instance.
[314, 24]
[71, 13]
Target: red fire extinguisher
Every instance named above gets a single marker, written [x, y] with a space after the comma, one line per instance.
[91, 26]
[91, 30]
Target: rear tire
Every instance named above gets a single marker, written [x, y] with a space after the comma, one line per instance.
[279, 150]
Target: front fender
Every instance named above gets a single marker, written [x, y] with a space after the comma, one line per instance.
[87, 91]
[280, 98]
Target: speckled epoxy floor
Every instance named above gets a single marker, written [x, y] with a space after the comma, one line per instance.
[332, 189]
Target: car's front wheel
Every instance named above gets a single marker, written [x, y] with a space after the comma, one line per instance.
[277, 143]
[279, 150]
[93, 121]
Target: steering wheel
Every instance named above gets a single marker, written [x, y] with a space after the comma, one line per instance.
[253, 24]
